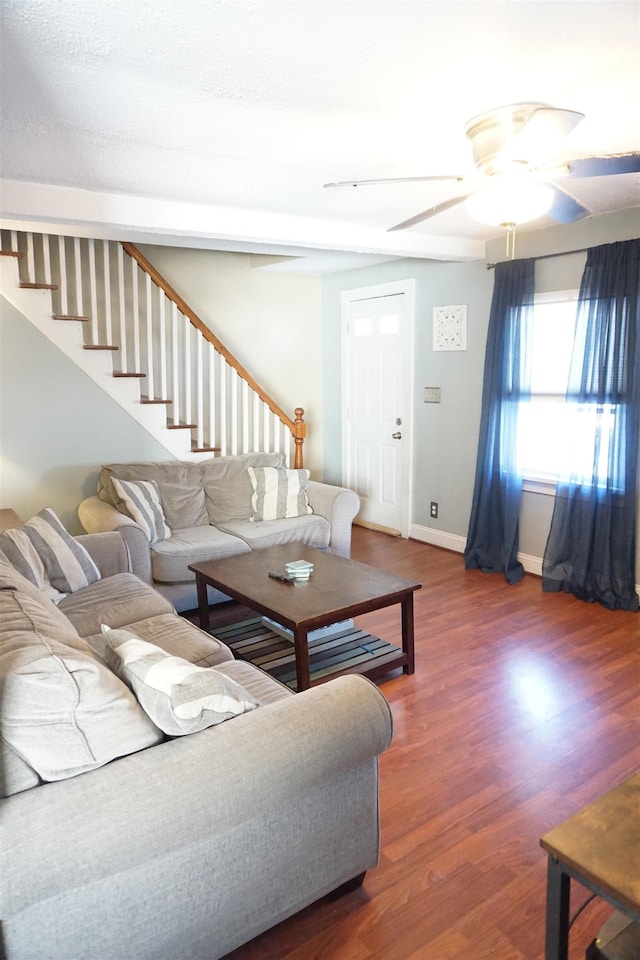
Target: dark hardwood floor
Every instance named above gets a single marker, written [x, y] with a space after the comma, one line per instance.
[524, 707]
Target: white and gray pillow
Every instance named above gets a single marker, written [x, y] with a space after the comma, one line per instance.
[64, 712]
[144, 505]
[278, 493]
[178, 696]
[48, 556]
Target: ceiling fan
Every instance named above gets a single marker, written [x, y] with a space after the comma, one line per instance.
[511, 183]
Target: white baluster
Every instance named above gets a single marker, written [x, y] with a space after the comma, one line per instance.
[164, 392]
[31, 260]
[222, 393]
[135, 299]
[212, 395]
[77, 266]
[175, 354]
[151, 391]
[106, 273]
[64, 282]
[255, 421]
[46, 258]
[234, 410]
[93, 293]
[244, 414]
[124, 347]
[187, 370]
[199, 391]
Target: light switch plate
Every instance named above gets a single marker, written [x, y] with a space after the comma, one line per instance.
[432, 394]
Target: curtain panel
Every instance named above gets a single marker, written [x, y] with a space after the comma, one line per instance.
[591, 547]
[492, 540]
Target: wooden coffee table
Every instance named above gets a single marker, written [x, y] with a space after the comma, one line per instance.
[338, 589]
[600, 848]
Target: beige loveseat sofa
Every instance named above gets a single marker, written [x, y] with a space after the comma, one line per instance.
[207, 508]
[145, 846]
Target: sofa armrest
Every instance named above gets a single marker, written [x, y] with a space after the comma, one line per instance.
[108, 551]
[96, 516]
[205, 804]
[340, 506]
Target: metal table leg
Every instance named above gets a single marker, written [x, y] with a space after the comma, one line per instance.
[558, 889]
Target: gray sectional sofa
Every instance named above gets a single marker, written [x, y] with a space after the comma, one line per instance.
[121, 842]
[208, 509]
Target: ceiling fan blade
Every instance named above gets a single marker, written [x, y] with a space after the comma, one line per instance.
[565, 208]
[431, 212]
[605, 166]
[368, 183]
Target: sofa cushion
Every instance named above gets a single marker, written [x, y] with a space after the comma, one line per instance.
[63, 711]
[179, 696]
[227, 485]
[18, 552]
[15, 773]
[176, 636]
[179, 483]
[278, 493]
[42, 613]
[121, 599]
[170, 558]
[263, 687]
[312, 530]
[45, 553]
[144, 505]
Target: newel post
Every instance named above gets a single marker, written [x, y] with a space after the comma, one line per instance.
[299, 434]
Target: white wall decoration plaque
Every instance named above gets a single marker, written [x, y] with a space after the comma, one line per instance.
[450, 328]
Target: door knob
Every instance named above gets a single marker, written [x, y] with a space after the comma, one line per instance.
[396, 436]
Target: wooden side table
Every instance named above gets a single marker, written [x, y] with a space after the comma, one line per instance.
[600, 848]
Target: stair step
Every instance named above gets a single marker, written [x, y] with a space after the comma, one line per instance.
[66, 316]
[154, 400]
[12, 253]
[195, 449]
[99, 346]
[180, 426]
[38, 286]
[139, 376]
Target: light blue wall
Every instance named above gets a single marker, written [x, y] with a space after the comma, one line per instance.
[56, 426]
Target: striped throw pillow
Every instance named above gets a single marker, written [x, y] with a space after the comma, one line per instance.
[278, 493]
[47, 555]
[178, 696]
[144, 505]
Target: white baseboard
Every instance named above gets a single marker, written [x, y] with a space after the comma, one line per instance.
[451, 541]
[438, 538]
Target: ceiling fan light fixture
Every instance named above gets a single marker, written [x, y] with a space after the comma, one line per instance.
[510, 200]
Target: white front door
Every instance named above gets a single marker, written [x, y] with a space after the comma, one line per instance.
[377, 387]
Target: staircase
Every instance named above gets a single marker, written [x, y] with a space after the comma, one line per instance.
[107, 308]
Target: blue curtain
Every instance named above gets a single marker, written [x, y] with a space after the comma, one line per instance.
[591, 548]
[492, 540]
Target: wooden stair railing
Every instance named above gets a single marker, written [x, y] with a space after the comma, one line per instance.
[192, 366]
[297, 427]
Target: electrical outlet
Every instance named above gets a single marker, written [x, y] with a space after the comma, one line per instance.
[434, 509]
[432, 394]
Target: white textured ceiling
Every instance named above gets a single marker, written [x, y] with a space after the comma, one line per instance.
[218, 121]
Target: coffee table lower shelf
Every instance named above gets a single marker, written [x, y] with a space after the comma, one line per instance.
[352, 651]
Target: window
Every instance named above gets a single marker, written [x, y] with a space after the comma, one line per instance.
[552, 432]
